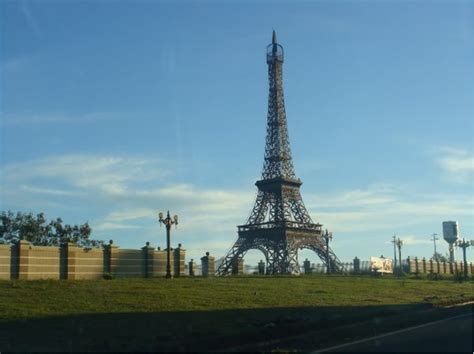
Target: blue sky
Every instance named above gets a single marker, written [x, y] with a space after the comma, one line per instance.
[114, 110]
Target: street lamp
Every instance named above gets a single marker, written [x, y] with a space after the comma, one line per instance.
[394, 241]
[168, 222]
[464, 244]
[399, 244]
[327, 237]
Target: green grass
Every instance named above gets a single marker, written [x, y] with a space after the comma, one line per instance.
[33, 299]
[166, 314]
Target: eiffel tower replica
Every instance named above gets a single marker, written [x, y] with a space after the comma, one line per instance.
[279, 224]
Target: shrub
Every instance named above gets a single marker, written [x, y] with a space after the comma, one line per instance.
[108, 276]
[434, 276]
[458, 277]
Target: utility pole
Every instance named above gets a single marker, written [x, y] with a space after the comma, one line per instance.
[327, 237]
[394, 241]
[434, 243]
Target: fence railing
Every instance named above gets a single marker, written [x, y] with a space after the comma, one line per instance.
[411, 266]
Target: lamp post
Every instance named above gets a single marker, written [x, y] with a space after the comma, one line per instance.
[394, 241]
[327, 237]
[464, 244]
[399, 245]
[434, 243]
[168, 222]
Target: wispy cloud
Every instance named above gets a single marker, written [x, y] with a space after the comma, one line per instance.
[56, 118]
[104, 173]
[134, 187]
[410, 240]
[31, 19]
[14, 64]
[457, 164]
[107, 226]
[413, 240]
[130, 214]
[385, 207]
[47, 191]
[376, 194]
[130, 190]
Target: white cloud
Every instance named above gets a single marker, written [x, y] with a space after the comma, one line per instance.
[129, 191]
[412, 240]
[134, 187]
[457, 164]
[385, 207]
[29, 119]
[377, 194]
[130, 214]
[105, 173]
[50, 191]
[106, 226]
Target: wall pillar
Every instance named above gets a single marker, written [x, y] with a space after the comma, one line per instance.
[6, 261]
[238, 266]
[192, 268]
[307, 266]
[110, 258]
[71, 255]
[261, 267]
[356, 262]
[207, 264]
[23, 249]
[179, 259]
[148, 258]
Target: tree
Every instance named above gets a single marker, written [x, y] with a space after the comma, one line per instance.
[35, 229]
[438, 257]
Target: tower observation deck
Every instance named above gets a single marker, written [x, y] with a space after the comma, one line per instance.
[279, 224]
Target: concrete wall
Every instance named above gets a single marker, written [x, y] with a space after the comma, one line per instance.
[128, 263]
[84, 263]
[38, 262]
[159, 263]
[28, 262]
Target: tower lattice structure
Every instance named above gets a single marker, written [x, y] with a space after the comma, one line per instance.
[279, 224]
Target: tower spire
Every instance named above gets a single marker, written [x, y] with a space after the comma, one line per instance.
[274, 37]
[278, 161]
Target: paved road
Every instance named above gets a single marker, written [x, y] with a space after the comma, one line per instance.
[448, 335]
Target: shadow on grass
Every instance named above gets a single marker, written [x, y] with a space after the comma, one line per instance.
[182, 331]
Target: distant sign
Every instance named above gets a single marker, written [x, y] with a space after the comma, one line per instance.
[381, 265]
